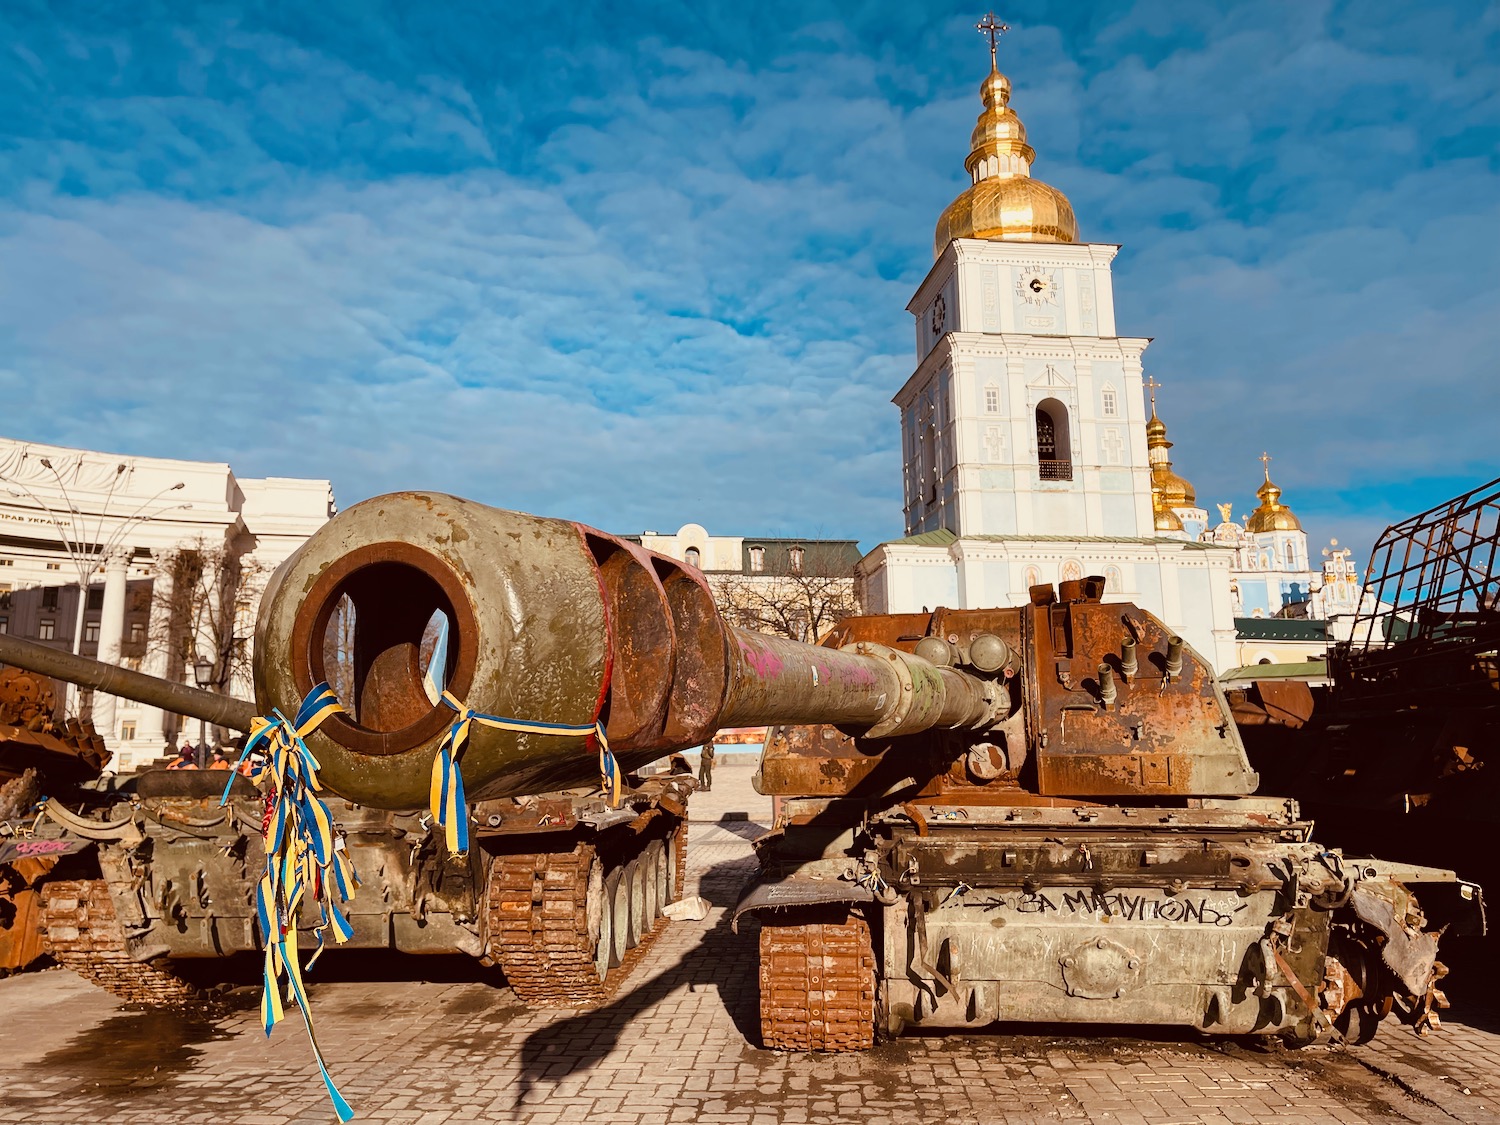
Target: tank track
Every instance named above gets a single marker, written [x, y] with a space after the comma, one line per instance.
[817, 985]
[81, 932]
[537, 913]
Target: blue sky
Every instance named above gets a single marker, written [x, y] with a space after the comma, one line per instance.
[643, 264]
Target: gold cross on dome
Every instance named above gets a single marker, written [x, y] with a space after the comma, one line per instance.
[994, 29]
[1265, 461]
[1155, 386]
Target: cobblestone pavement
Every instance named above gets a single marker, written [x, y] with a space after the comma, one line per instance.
[677, 1046]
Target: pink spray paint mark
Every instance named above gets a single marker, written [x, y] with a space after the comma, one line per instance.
[765, 664]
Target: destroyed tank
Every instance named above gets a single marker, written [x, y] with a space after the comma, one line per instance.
[38, 756]
[1041, 813]
[1085, 848]
[562, 888]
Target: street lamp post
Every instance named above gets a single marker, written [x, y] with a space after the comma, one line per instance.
[85, 551]
[203, 676]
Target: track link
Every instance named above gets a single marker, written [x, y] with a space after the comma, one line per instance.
[538, 927]
[817, 985]
[81, 932]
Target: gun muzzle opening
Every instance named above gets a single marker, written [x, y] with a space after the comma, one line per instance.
[369, 627]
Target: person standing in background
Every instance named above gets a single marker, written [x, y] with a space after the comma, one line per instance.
[706, 766]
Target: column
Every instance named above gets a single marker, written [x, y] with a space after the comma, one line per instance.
[152, 733]
[111, 633]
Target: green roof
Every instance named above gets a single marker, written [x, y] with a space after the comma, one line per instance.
[1280, 629]
[1303, 670]
[939, 538]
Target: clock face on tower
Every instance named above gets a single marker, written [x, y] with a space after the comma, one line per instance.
[1037, 286]
[939, 316]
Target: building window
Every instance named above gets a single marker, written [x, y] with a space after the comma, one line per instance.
[137, 632]
[91, 631]
[1053, 448]
[757, 559]
[4, 624]
[992, 400]
[7, 562]
[127, 731]
[46, 631]
[693, 556]
[1110, 401]
[96, 600]
[794, 559]
[1291, 557]
[49, 598]
[54, 566]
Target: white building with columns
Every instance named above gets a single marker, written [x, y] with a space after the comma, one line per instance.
[117, 518]
[1024, 427]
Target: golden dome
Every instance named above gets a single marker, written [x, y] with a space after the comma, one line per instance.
[1176, 491]
[1003, 202]
[1272, 515]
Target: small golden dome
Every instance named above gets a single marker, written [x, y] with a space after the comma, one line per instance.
[1176, 491]
[1003, 202]
[1272, 515]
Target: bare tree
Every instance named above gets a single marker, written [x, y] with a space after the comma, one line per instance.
[801, 597]
[209, 611]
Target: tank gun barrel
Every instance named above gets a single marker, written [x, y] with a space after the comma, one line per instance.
[548, 622]
[180, 699]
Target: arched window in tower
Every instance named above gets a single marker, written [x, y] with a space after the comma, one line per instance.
[1109, 401]
[692, 556]
[757, 559]
[794, 559]
[1054, 449]
[1290, 552]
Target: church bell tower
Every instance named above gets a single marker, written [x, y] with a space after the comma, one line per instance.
[1025, 415]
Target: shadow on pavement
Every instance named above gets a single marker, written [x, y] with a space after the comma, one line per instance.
[721, 959]
[744, 829]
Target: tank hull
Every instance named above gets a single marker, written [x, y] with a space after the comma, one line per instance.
[138, 891]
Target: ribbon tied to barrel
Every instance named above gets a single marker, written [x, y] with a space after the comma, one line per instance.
[305, 859]
[449, 805]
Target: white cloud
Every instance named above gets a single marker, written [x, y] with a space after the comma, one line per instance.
[682, 296]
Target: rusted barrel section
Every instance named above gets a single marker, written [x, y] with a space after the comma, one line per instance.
[111, 679]
[549, 621]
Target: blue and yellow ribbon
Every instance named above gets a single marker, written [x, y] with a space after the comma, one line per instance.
[304, 858]
[446, 798]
